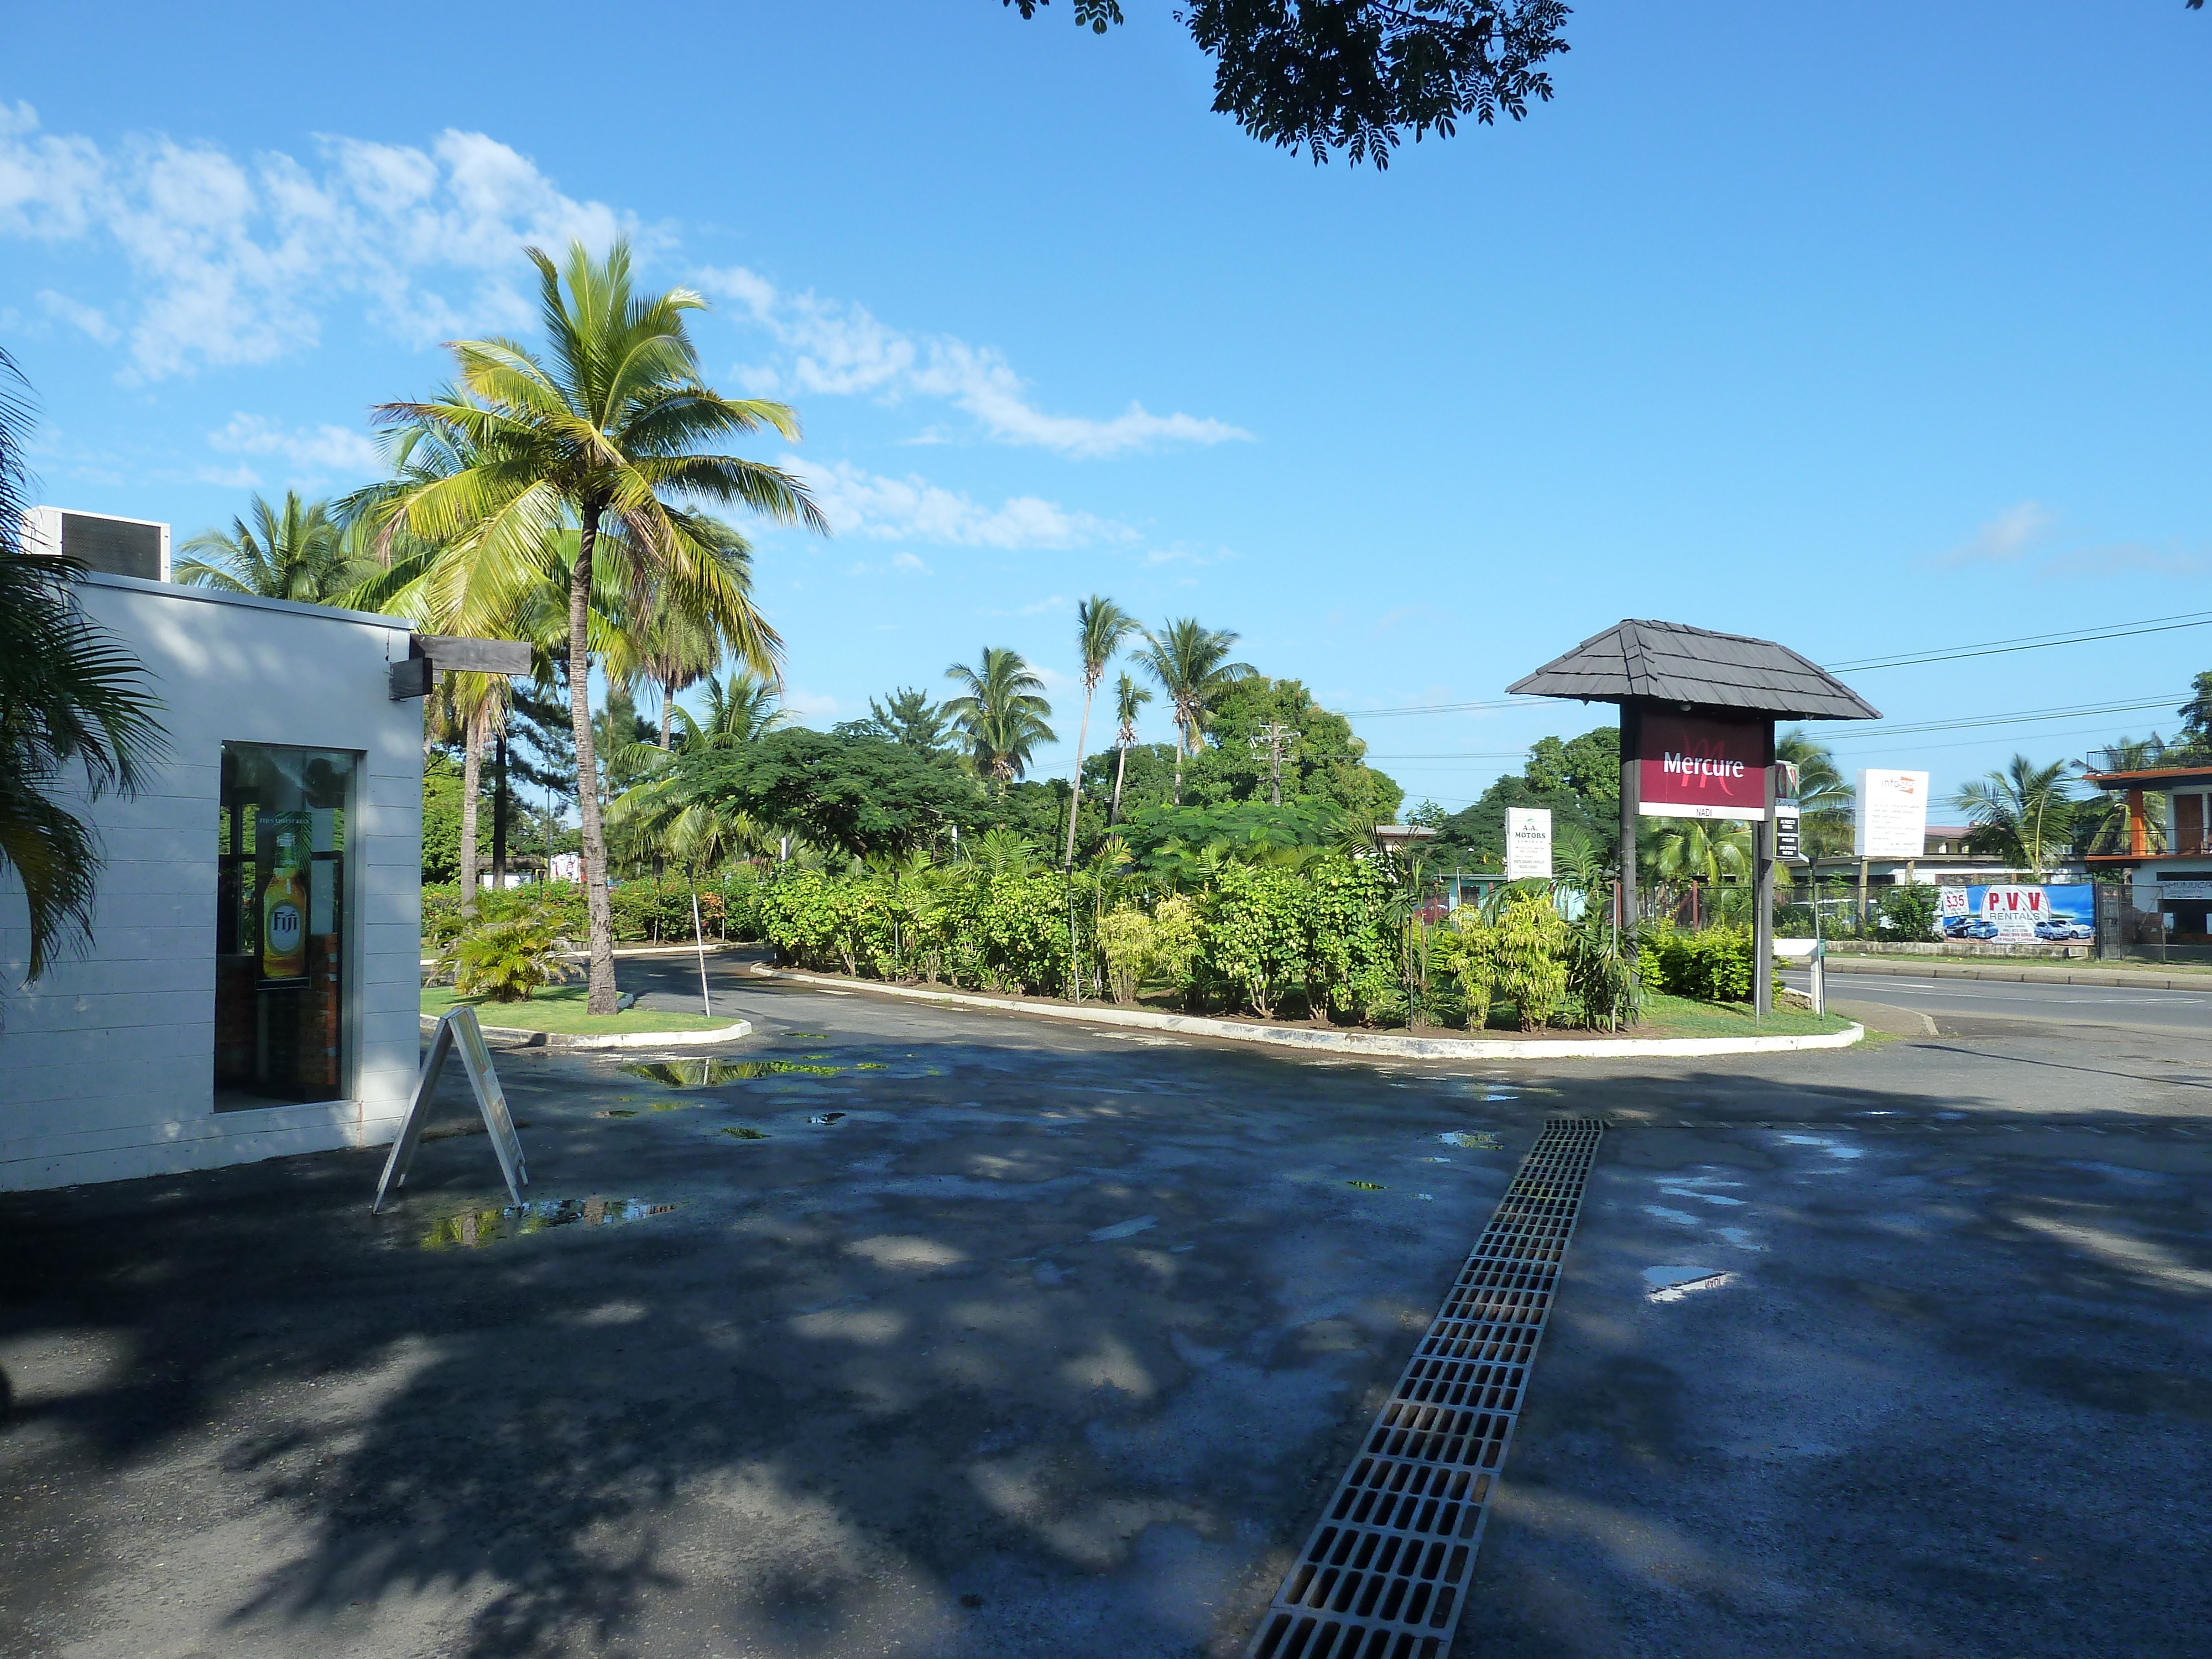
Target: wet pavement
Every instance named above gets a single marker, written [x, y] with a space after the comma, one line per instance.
[931, 1332]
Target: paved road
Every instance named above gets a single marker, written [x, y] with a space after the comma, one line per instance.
[1052, 1341]
[1986, 1007]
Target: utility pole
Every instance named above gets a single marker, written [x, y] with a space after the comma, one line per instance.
[1272, 736]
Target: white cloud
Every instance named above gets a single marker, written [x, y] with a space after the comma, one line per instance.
[93, 321]
[907, 561]
[316, 452]
[862, 503]
[835, 347]
[231, 260]
[2005, 538]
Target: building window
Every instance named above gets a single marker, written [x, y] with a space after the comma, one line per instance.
[284, 928]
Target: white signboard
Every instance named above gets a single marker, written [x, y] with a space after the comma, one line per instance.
[1893, 815]
[2186, 889]
[2015, 911]
[565, 867]
[1954, 902]
[1528, 843]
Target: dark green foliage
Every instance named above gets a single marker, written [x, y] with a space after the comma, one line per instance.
[861, 796]
[77, 717]
[1577, 780]
[1907, 913]
[1358, 75]
[441, 818]
[1169, 840]
[908, 718]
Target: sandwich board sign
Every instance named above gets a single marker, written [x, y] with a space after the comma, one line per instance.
[457, 1030]
[1528, 843]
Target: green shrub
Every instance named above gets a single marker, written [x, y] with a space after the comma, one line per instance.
[1128, 939]
[1256, 932]
[1465, 949]
[1715, 965]
[1530, 959]
[505, 957]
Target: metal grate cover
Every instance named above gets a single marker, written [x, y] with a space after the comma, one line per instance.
[1384, 1575]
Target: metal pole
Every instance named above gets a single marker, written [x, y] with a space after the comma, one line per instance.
[1631, 734]
[1762, 945]
[699, 934]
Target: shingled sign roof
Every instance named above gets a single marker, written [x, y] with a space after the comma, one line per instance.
[1669, 662]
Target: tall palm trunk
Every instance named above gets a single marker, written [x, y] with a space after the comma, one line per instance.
[601, 997]
[1075, 800]
[499, 806]
[471, 784]
[667, 712]
[1178, 771]
[1121, 764]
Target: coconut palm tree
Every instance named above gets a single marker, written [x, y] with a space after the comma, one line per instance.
[2020, 813]
[72, 700]
[1696, 850]
[605, 433]
[296, 551]
[1129, 697]
[1191, 664]
[1825, 800]
[742, 709]
[2108, 830]
[1101, 625]
[999, 712]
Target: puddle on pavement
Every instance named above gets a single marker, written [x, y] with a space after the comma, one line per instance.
[825, 1117]
[740, 1132]
[870, 1066]
[472, 1230]
[1366, 1186]
[1123, 1229]
[1673, 1284]
[809, 1037]
[710, 1073]
[1479, 1140]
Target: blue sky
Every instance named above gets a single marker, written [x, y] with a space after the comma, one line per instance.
[1865, 329]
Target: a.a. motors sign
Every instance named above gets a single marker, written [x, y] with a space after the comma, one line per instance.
[1701, 766]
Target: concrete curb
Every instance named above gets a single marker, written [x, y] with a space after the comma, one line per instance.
[1874, 967]
[1351, 1042]
[532, 1039]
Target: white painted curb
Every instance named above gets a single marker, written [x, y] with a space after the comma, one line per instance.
[744, 1028]
[1354, 1042]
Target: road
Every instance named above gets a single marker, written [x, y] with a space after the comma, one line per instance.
[974, 1336]
[1988, 1007]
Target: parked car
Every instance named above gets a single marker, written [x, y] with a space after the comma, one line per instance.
[1979, 927]
[2065, 928]
[1956, 927]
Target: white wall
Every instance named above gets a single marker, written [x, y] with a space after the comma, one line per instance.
[107, 1064]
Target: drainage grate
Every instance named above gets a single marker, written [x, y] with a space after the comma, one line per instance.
[1384, 1575]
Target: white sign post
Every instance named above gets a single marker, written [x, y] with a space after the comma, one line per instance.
[1893, 815]
[1528, 843]
[457, 1030]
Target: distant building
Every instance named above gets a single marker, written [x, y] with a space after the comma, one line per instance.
[2166, 867]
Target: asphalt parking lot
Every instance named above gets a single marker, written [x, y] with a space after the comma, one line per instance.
[1051, 1341]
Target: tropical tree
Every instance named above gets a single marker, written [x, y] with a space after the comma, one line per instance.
[605, 434]
[296, 551]
[999, 712]
[1191, 662]
[2101, 821]
[2020, 813]
[72, 701]
[1129, 697]
[1825, 798]
[1101, 625]
[907, 717]
[1696, 849]
[741, 709]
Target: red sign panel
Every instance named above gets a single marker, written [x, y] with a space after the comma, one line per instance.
[1700, 766]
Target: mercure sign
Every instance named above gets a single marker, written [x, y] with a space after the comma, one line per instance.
[1701, 766]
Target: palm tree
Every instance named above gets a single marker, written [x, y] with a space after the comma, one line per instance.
[2021, 812]
[2109, 831]
[1129, 697]
[1000, 714]
[297, 551]
[1101, 625]
[1825, 800]
[71, 699]
[1696, 850]
[742, 710]
[604, 439]
[1191, 664]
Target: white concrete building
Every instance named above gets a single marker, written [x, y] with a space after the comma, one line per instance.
[252, 984]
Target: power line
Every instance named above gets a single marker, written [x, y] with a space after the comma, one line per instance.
[2079, 711]
[2029, 642]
